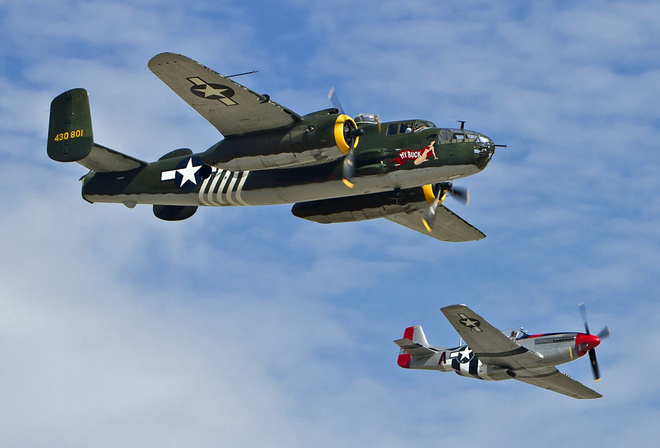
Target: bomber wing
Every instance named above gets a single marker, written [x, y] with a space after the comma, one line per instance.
[448, 226]
[488, 343]
[232, 108]
[552, 379]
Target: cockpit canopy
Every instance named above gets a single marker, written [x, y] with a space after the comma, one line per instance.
[408, 127]
[515, 334]
[462, 135]
[367, 119]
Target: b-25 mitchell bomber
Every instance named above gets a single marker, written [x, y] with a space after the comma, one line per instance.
[494, 355]
[331, 167]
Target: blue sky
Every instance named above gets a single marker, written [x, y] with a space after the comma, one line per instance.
[248, 326]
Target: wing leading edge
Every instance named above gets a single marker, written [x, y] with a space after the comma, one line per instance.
[232, 108]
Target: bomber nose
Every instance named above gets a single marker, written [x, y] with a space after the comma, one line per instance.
[484, 148]
[586, 342]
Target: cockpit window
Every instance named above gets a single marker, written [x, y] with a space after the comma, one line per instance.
[392, 129]
[420, 124]
[445, 135]
[408, 127]
[367, 119]
[514, 334]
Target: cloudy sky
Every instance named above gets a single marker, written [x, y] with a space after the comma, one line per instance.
[249, 327]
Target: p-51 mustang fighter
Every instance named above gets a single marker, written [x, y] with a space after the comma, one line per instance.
[401, 171]
[494, 355]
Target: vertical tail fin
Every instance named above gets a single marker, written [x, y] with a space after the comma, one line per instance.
[70, 137]
[416, 334]
[413, 343]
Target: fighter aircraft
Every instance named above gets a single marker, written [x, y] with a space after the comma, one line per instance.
[331, 167]
[494, 355]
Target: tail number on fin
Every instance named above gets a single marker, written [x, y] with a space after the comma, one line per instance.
[67, 135]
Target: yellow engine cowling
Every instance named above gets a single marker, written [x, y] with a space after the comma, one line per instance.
[430, 192]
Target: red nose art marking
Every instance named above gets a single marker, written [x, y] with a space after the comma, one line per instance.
[585, 342]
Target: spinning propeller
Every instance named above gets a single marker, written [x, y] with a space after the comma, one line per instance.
[440, 192]
[590, 342]
[351, 135]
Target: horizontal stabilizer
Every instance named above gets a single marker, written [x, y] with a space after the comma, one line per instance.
[413, 348]
[105, 160]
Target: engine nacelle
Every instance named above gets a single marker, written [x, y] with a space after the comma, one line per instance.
[320, 137]
[359, 208]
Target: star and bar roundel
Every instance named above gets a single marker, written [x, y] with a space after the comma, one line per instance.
[212, 91]
[470, 322]
[188, 174]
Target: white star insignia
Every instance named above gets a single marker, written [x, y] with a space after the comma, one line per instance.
[464, 355]
[188, 173]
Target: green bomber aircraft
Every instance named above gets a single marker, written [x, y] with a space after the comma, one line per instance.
[331, 167]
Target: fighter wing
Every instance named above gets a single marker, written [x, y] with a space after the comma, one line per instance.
[232, 108]
[448, 226]
[488, 343]
[552, 379]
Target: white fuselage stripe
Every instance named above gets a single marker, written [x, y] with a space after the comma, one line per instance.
[239, 190]
[223, 188]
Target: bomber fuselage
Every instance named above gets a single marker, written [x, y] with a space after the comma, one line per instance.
[390, 156]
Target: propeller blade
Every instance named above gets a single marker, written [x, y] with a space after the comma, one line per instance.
[604, 333]
[583, 311]
[460, 194]
[348, 169]
[334, 98]
[594, 364]
[429, 215]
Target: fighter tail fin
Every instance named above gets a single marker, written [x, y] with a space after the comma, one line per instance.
[413, 344]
